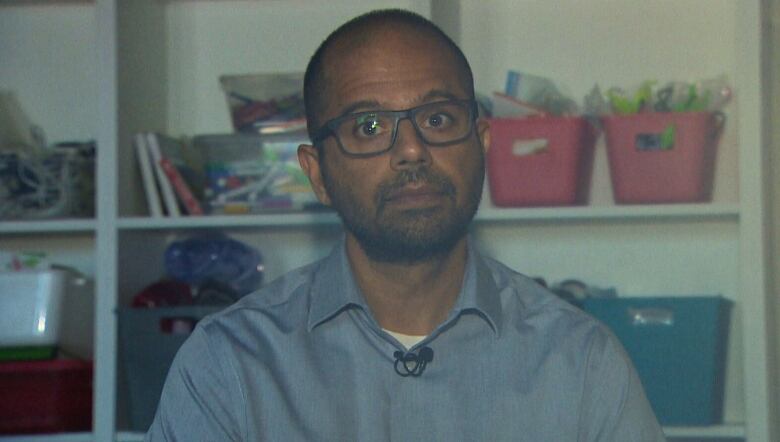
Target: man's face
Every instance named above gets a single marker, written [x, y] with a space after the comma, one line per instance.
[415, 201]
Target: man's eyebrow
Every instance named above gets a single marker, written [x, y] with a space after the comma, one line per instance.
[370, 105]
[363, 104]
[440, 93]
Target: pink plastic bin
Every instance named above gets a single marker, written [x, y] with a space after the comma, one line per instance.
[540, 161]
[662, 157]
[45, 396]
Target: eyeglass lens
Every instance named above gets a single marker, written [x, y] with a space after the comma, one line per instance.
[437, 123]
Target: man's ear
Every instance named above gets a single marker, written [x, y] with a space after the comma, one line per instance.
[309, 159]
[483, 132]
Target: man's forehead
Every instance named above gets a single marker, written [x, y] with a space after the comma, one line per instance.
[383, 34]
[390, 57]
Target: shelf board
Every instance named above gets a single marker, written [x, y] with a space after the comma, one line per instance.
[616, 213]
[486, 214]
[56, 437]
[218, 221]
[129, 436]
[42, 2]
[714, 431]
[48, 226]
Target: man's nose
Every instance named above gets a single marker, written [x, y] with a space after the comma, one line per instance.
[409, 150]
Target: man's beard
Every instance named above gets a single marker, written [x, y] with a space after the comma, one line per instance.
[410, 235]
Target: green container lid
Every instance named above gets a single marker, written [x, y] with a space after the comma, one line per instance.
[26, 353]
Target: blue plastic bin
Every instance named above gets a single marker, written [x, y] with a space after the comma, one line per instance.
[678, 346]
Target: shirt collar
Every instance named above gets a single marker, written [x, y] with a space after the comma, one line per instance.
[479, 294]
[334, 290]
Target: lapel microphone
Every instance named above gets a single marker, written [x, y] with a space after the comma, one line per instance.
[411, 364]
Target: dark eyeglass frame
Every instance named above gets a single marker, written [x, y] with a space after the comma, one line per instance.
[329, 128]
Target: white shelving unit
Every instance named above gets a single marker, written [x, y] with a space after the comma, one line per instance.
[48, 226]
[141, 65]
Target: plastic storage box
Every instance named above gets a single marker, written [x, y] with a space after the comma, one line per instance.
[150, 339]
[45, 396]
[257, 101]
[30, 307]
[662, 157]
[678, 346]
[42, 310]
[248, 173]
[540, 161]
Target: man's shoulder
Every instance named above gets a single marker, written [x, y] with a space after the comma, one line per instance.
[522, 291]
[526, 301]
[284, 298]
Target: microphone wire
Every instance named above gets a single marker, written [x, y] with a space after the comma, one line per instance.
[420, 360]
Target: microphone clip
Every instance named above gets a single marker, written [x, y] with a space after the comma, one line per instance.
[411, 364]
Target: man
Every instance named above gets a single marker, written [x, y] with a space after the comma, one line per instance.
[405, 332]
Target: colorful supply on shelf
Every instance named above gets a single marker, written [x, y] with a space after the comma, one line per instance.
[265, 103]
[676, 96]
[538, 92]
[27, 260]
[251, 173]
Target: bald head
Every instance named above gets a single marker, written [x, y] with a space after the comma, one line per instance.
[373, 30]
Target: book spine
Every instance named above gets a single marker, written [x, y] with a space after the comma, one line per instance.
[182, 189]
[165, 186]
[147, 176]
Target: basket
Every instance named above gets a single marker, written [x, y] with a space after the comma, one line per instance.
[540, 161]
[662, 157]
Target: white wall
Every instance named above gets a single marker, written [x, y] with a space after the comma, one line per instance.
[209, 39]
[62, 36]
[773, 81]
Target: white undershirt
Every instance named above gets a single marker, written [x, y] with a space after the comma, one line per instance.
[408, 341]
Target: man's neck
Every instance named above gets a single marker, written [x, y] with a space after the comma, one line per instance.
[409, 298]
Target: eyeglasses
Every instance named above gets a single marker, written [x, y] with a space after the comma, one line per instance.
[365, 134]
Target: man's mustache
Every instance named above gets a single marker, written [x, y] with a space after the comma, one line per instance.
[423, 175]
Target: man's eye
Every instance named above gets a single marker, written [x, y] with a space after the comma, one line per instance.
[438, 120]
[367, 126]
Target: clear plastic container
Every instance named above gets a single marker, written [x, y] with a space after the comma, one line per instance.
[248, 173]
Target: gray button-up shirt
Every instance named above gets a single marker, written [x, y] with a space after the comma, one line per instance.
[303, 359]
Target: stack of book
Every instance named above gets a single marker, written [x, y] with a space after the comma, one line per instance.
[170, 183]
